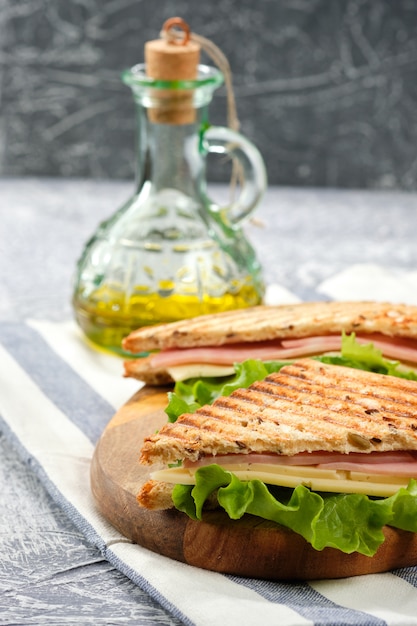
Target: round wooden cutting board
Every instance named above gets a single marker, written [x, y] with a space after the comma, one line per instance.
[248, 547]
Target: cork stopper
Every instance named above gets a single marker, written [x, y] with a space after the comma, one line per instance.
[173, 57]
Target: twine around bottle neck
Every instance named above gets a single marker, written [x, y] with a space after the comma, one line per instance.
[219, 59]
[177, 31]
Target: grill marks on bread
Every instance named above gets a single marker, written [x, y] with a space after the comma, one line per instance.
[273, 322]
[306, 407]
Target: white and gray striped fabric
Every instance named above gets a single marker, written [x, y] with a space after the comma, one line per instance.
[57, 394]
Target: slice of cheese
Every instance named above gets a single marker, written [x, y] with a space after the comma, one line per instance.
[317, 479]
[199, 370]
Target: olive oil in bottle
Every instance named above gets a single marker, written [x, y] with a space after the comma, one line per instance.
[107, 318]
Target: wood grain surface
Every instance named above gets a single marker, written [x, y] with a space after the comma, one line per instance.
[248, 547]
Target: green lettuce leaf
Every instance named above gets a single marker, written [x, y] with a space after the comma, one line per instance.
[177, 405]
[191, 394]
[367, 357]
[347, 522]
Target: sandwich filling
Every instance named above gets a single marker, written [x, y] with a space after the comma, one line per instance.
[186, 363]
[392, 348]
[374, 474]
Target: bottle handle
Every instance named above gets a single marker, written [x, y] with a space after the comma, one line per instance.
[222, 140]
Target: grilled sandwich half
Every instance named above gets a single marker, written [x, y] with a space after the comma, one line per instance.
[209, 345]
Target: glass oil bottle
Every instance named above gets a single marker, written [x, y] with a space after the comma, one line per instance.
[170, 252]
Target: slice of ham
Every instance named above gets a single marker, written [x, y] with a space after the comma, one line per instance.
[225, 355]
[393, 348]
[399, 463]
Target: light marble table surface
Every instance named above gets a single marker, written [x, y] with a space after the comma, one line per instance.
[49, 574]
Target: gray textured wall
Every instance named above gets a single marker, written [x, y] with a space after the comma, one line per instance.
[327, 89]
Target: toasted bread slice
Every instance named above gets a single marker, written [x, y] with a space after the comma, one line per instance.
[277, 322]
[157, 496]
[307, 406]
[143, 369]
[150, 372]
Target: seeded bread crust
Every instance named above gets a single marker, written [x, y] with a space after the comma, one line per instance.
[157, 496]
[144, 370]
[273, 322]
[306, 407]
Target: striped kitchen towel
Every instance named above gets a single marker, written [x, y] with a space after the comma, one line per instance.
[56, 396]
